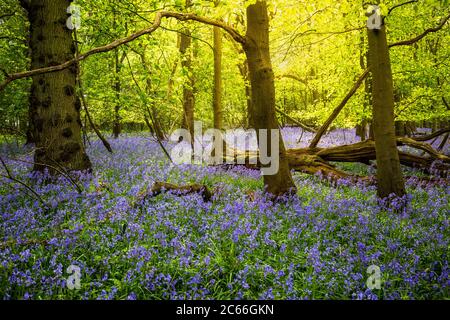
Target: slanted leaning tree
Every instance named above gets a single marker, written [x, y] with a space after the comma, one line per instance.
[55, 107]
[389, 173]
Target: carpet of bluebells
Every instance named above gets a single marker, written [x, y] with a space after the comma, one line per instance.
[317, 245]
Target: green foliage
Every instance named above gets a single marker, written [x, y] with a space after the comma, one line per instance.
[323, 43]
[13, 58]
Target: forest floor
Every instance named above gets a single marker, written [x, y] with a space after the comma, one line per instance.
[316, 245]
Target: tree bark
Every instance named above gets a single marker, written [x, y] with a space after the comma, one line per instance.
[243, 69]
[117, 88]
[217, 94]
[56, 108]
[152, 111]
[389, 174]
[314, 160]
[30, 130]
[188, 88]
[256, 48]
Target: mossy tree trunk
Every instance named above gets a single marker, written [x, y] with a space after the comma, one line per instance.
[263, 92]
[55, 106]
[389, 173]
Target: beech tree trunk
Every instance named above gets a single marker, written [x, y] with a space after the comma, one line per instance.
[217, 94]
[56, 108]
[263, 92]
[389, 173]
[188, 88]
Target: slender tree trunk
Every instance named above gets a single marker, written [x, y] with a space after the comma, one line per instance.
[243, 69]
[389, 173]
[263, 92]
[30, 130]
[117, 88]
[219, 142]
[56, 108]
[171, 82]
[217, 94]
[363, 127]
[188, 88]
[153, 112]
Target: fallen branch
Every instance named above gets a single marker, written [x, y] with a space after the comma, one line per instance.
[443, 142]
[161, 187]
[9, 176]
[424, 147]
[317, 160]
[432, 135]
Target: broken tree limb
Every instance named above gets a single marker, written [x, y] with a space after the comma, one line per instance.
[443, 142]
[313, 164]
[301, 125]
[432, 135]
[161, 187]
[338, 109]
[424, 147]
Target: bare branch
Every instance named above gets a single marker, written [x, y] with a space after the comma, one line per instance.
[400, 5]
[422, 35]
[27, 187]
[119, 42]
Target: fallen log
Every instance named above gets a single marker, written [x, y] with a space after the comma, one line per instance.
[161, 187]
[317, 160]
